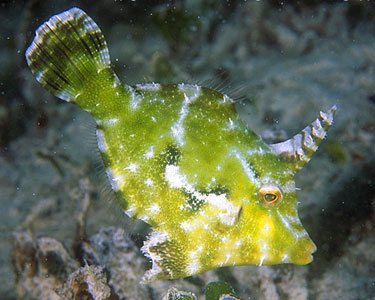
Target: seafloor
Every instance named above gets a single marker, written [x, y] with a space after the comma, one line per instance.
[285, 61]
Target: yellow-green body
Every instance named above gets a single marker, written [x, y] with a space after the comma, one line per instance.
[179, 158]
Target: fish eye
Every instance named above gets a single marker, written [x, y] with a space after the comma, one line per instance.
[270, 196]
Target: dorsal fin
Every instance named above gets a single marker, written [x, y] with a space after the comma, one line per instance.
[299, 149]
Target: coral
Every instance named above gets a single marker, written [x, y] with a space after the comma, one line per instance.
[175, 294]
[214, 291]
[41, 265]
[86, 283]
[45, 270]
[220, 290]
[124, 263]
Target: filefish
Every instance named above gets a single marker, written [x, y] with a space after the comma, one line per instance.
[178, 157]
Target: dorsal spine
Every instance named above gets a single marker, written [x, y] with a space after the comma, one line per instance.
[299, 149]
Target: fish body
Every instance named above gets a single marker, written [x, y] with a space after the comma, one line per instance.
[178, 157]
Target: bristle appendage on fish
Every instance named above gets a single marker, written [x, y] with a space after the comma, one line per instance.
[179, 158]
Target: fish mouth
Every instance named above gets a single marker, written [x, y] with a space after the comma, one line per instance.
[302, 252]
[298, 252]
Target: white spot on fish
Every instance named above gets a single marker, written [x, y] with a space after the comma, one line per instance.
[114, 179]
[132, 167]
[226, 99]
[193, 254]
[191, 93]
[262, 260]
[174, 178]
[289, 219]
[246, 167]
[193, 267]
[144, 218]
[256, 151]
[186, 225]
[149, 153]
[155, 238]
[135, 99]
[227, 211]
[101, 142]
[178, 128]
[149, 86]
[108, 122]
[289, 187]
[149, 182]
[154, 208]
[130, 211]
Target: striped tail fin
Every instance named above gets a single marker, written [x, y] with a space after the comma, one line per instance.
[299, 149]
[70, 58]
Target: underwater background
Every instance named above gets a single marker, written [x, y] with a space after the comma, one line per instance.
[282, 61]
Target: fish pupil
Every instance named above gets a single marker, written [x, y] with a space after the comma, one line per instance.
[269, 197]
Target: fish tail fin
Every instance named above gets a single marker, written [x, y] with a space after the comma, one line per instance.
[298, 150]
[69, 57]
